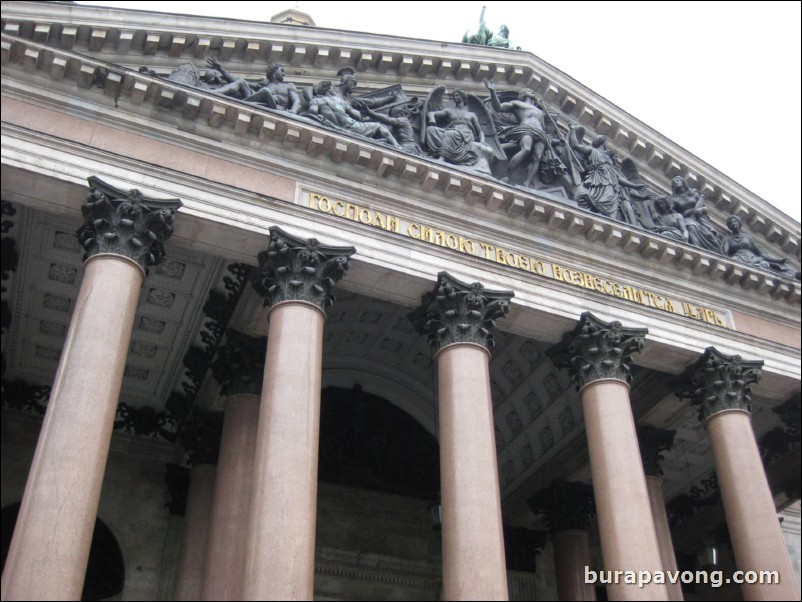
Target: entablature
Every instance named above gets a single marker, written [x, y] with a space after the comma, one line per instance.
[232, 222]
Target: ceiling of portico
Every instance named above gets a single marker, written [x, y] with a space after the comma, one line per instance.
[43, 294]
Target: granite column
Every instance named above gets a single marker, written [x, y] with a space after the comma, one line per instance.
[718, 385]
[194, 542]
[123, 234]
[653, 442]
[457, 318]
[569, 511]
[598, 357]
[239, 369]
[296, 279]
[200, 438]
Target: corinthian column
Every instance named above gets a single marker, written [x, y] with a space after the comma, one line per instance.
[718, 385]
[200, 438]
[239, 369]
[457, 318]
[568, 509]
[195, 538]
[123, 234]
[653, 442]
[597, 355]
[296, 279]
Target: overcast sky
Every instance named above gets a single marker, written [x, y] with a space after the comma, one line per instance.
[721, 79]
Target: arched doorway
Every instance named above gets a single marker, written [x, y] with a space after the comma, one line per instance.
[105, 573]
[378, 477]
[368, 443]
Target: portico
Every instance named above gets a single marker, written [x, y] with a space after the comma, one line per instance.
[256, 185]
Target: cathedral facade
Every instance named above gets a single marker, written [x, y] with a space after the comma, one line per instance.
[290, 313]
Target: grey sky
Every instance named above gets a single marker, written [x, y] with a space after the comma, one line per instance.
[720, 79]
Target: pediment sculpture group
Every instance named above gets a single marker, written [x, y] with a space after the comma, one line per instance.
[510, 136]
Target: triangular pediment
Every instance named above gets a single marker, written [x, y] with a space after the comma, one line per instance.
[97, 55]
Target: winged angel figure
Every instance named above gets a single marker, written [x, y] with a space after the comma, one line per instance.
[462, 134]
[611, 189]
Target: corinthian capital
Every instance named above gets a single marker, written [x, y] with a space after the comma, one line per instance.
[717, 382]
[788, 411]
[300, 269]
[126, 223]
[566, 505]
[200, 436]
[240, 364]
[597, 350]
[456, 312]
[653, 442]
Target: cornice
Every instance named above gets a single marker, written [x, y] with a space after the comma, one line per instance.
[138, 37]
[303, 138]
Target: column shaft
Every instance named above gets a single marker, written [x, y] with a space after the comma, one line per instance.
[669, 559]
[755, 532]
[230, 513]
[50, 549]
[474, 565]
[626, 527]
[281, 547]
[194, 543]
[571, 556]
